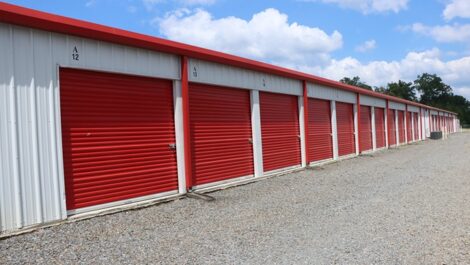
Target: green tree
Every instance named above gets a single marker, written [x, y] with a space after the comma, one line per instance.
[355, 81]
[402, 89]
[434, 92]
[431, 88]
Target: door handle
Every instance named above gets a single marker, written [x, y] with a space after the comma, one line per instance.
[172, 146]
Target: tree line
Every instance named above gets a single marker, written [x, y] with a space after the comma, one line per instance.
[427, 89]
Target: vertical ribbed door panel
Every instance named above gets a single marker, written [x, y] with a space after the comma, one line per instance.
[392, 134]
[220, 124]
[401, 126]
[379, 127]
[366, 129]
[319, 130]
[416, 126]
[345, 126]
[116, 132]
[279, 131]
[409, 131]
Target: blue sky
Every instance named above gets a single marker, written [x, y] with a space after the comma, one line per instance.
[379, 40]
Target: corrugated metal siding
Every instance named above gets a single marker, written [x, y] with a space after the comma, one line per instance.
[392, 128]
[319, 130]
[32, 187]
[279, 131]
[371, 101]
[116, 144]
[345, 124]
[329, 93]
[401, 127]
[366, 129]
[224, 75]
[396, 105]
[220, 123]
[30, 153]
[379, 127]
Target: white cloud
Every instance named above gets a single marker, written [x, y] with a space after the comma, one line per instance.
[366, 46]
[369, 6]
[267, 36]
[379, 73]
[463, 91]
[446, 33]
[270, 37]
[457, 8]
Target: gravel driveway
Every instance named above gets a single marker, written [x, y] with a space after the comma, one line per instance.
[404, 206]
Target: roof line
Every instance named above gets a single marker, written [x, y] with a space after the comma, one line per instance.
[22, 16]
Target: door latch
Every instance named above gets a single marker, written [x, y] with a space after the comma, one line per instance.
[172, 146]
[250, 140]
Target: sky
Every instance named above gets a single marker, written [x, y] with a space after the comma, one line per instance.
[380, 41]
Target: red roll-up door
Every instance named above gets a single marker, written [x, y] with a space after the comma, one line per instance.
[392, 135]
[220, 124]
[319, 130]
[401, 127]
[366, 129]
[416, 126]
[379, 127]
[116, 132]
[279, 130]
[345, 128]
[408, 127]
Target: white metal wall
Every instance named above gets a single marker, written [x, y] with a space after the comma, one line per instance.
[396, 105]
[329, 93]
[31, 169]
[224, 75]
[413, 108]
[371, 101]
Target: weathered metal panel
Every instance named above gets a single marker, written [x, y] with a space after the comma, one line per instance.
[224, 75]
[434, 112]
[395, 105]
[371, 101]
[32, 182]
[330, 93]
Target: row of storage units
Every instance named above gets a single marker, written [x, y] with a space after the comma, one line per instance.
[91, 124]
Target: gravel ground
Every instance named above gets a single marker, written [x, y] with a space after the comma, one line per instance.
[404, 206]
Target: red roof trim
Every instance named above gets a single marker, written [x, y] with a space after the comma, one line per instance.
[45, 21]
